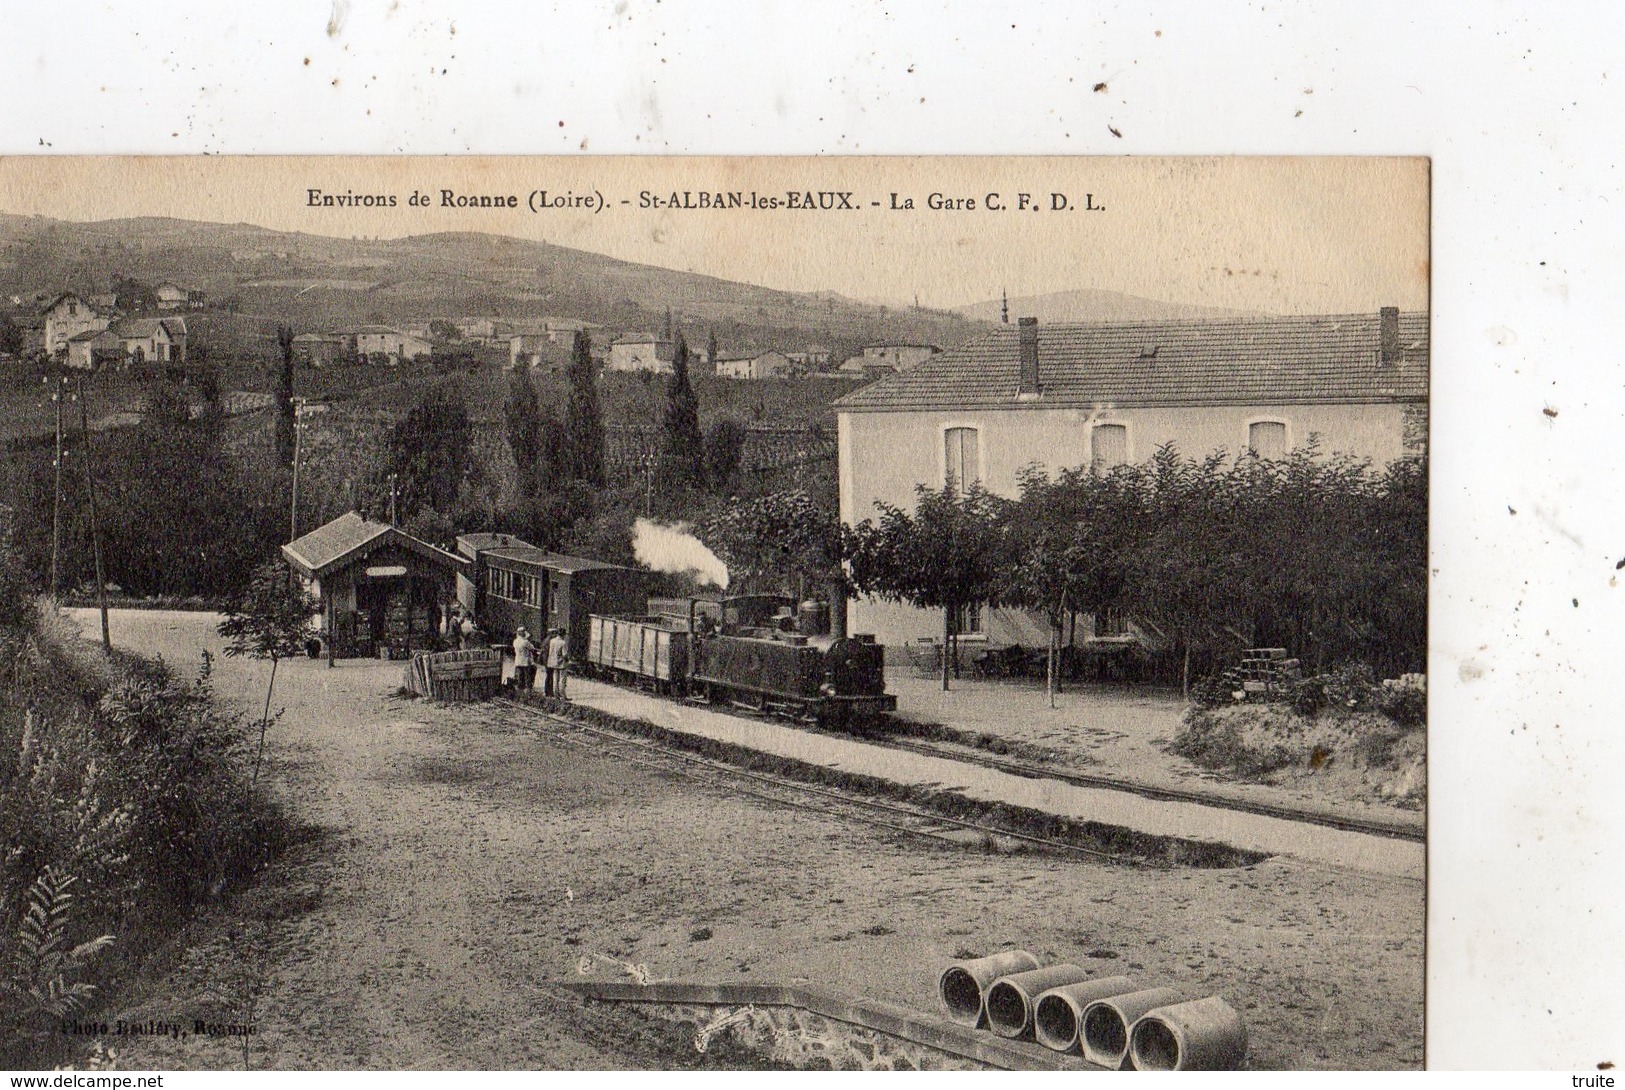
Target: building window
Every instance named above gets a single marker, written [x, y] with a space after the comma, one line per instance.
[1110, 623]
[1108, 446]
[961, 465]
[1267, 438]
[968, 620]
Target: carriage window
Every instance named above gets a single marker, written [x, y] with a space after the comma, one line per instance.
[961, 467]
[1267, 438]
[1108, 446]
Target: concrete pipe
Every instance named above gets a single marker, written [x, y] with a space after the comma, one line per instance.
[1202, 1035]
[1058, 1013]
[1010, 999]
[963, 983]
[1105, 1026]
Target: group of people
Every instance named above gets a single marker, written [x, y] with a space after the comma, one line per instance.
[555, 662]
[555, 653]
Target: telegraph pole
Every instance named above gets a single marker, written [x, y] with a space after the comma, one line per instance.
[56, 508]
[392, 491]
[90, 493]
[293, 518]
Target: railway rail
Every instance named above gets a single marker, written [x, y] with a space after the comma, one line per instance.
[969, 755]
[891, 816]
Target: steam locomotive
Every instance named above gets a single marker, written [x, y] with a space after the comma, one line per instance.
[755, 651]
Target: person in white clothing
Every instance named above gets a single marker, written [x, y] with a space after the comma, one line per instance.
[524, 661]
[557, 664]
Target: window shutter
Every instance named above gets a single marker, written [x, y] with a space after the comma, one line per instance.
[1108, 446]
[1267, 439]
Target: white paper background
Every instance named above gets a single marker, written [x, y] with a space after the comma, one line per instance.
[1520, 107]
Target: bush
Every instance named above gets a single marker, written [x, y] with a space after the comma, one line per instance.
[1404, 699]
[1213, 692]
[1309, 696]
[125, 793]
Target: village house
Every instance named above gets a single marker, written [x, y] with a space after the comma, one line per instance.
[171, 296]
[641, 352]
[66, 316]
[563, 330]
[320, 349]
[537, 350]
[897, 356]
[815, 357]
[132, 340]
[372, 340]
[1064, 396]
[768, 364]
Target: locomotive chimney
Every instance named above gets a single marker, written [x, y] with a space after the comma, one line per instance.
[1028, 335]
[1389, 324]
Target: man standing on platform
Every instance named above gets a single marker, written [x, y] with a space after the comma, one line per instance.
[524, 661]
[558, 663]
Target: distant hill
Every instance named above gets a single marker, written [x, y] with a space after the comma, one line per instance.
[314, 281]
[1093, 305]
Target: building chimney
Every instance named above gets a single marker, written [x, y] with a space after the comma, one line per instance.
[1389, 351]
[1027, 329]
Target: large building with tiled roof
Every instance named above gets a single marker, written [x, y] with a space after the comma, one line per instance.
[1091, 394]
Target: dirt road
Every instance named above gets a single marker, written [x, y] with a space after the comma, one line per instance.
[465, 862]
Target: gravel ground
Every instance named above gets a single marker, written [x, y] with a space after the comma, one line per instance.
[1118, 732]
[463, 863]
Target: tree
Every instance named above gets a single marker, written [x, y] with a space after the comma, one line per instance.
[286, 420]
[583, 420]
[711, 353]
[432, 450]
[1189, 576]
[684, 455]
[270, 622]
[786, 539]
[442, 330]
[526, 436]
[12, 338]
[946, 555]
[1069, 537]
[724, 447]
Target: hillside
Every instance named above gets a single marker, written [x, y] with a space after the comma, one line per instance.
[314, 281]
[1092, 305]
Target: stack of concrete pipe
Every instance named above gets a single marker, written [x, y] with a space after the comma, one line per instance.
[1112, 1021]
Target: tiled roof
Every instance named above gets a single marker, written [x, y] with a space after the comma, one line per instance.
[1244, 361]
[327, 547]
[328, 543]
[147, 327]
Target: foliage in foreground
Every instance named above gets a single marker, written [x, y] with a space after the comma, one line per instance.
[126, 798]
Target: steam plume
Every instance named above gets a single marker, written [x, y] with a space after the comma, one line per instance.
[674, 549]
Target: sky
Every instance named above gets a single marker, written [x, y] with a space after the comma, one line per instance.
[1283, 235]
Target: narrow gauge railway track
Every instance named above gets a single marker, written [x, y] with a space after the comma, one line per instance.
[969, 755]
[894, 817]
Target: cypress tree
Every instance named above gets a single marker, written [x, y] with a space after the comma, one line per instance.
[523, 414]
[583, 420]
[685, 448]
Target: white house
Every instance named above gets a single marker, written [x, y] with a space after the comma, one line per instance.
[897, 356]
[398, 346]
[768, 364]
[1063, 396]
[641, 352]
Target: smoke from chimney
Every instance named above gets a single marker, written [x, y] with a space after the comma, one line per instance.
[1028, 333]
[673, 549]
[1389, 322]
